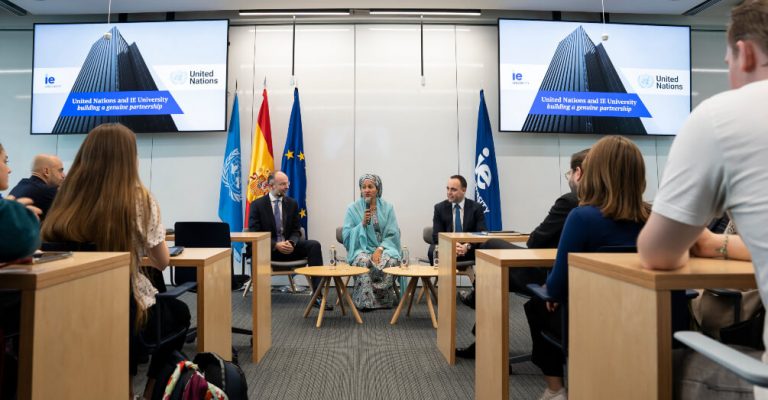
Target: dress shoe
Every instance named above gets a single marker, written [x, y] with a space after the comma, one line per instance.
[466, 352]
[468, 299]
[319, 301]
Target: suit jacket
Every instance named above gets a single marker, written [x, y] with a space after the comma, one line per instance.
[547, 234]
[262, 219]
[36, 189]
[442, 219]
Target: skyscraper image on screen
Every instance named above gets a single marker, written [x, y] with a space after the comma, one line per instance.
[579, 66]
[112, 65]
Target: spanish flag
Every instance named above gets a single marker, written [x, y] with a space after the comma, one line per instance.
[262, 160]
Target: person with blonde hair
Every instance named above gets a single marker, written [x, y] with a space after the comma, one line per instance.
[103, 202]
[611, 212]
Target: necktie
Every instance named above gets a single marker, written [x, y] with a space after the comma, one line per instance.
[456, 218]
[278, 221]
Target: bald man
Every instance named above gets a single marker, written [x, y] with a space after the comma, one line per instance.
[42, 186]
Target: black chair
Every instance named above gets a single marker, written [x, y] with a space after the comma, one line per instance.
[279, 268]
[201, 234]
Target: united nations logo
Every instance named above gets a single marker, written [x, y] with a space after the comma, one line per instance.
[230, 175]
[179, 77]
[645, 81]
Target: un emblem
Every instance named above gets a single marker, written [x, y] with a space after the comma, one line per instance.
[179, 77]
[230, 175]
[645, 81]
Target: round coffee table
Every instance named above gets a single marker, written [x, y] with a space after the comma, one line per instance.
[415, 272]
[326, 273]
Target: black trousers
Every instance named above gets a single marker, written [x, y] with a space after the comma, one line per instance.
[545, 354]
[309, 249]
[175, 317]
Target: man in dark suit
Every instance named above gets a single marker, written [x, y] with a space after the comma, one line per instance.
[42, 186]
[457, 214]
[545, 236]
[279, 214]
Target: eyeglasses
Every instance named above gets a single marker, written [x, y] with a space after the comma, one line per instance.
[568, 174]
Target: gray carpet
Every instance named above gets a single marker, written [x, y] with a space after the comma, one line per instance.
[376, 360]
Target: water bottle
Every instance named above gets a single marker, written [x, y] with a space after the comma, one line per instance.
[434, 258]
[404, 257]
[332, 257]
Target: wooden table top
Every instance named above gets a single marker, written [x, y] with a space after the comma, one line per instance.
[474, 237]
[519, 257]
[196, 256]
[698, 273]
[325, 270]
[38, 276]
[234, 236]
[412, 270]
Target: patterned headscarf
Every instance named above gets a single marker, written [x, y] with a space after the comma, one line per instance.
[376, 182]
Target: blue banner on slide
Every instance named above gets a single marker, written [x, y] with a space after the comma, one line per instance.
[592, 104]
[148, 102]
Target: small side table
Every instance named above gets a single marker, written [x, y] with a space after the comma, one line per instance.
[326, 274]
[415, 272]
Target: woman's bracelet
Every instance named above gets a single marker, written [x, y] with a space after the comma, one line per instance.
[723, 250]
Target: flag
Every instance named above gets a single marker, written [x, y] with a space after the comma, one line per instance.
[294, 164]
[486, 174]
[262, 159]
[230, 193]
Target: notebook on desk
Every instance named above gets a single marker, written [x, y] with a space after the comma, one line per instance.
[46, 256]
[505, 233]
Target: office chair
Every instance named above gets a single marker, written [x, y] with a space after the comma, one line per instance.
[201, 234]
[750, 369]
[280, 268]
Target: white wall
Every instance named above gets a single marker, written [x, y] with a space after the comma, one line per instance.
[364, 110]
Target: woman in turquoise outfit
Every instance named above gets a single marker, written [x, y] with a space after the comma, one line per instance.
[372, 239]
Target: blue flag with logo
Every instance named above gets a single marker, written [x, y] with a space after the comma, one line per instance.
[294, 164]
[486, 174]
[230, 192]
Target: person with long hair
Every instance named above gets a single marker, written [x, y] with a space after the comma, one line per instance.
[372, 239]
[611, 212]
[103, 202]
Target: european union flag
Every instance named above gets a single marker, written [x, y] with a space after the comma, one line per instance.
[486, 174]
[230, 193]
[294, 164]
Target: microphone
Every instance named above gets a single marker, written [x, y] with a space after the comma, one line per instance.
[367, 203]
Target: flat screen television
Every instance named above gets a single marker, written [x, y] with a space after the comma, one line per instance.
[576, 77]
[150, 76]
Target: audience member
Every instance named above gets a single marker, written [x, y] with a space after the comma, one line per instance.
[372, 239]
[41, 187]
[545, 236]
[279, 214]
[729, 130]
[103, 202]
[20, 233]
[611, 212]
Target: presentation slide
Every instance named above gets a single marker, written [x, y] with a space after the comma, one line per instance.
[150, 76]
[573, 77]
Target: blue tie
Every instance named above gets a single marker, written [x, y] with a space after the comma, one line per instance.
[456, 218]
[278, 221]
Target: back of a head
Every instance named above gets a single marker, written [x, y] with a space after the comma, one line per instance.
[577, 159]
[97, 202]
[749, 21]
[614, 179]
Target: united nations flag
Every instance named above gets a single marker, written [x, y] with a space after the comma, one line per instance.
[230, 192]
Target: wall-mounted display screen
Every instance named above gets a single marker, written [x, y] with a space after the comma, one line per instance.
[150, 76]
[575, 77]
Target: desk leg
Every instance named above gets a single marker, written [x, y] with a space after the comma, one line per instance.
[620, 339]
[408, 292]
[74, 339]
[262, 298]
[352, 307]
[315, 296]
[492, 336]
[446, 294]
[337, 286]
[214, 308]
[431, 309]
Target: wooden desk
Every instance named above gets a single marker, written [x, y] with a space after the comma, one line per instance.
[492, 314]
[74, 331]
[214, 300]
[620, 334]
[261, 270]
[446, 291]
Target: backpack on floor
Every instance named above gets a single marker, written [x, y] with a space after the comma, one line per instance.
[224, 374]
